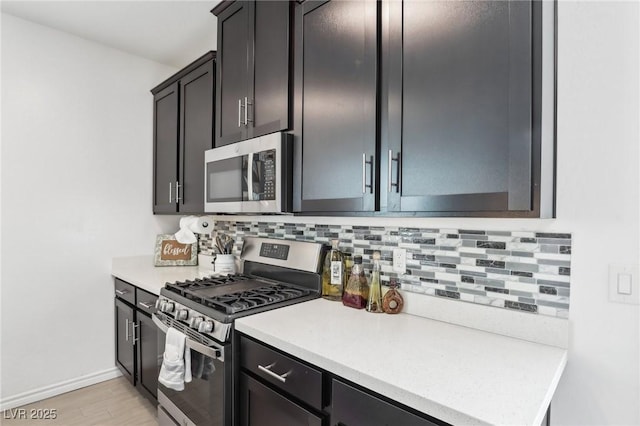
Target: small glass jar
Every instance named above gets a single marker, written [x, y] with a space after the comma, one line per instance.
[392, 302]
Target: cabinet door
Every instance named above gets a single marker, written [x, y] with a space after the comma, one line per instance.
[335, 84]
[262, 406]
[233, 74]
[269, 76]
[147, 343]
[196, 135]
[165, 150]
[459, 106]
[353, 407]
[125, 350]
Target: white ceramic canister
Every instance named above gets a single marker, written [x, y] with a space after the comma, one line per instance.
[224, 264]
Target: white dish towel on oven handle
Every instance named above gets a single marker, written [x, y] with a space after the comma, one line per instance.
[176, 361]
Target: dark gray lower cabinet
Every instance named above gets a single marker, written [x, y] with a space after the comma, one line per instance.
[137, 338]
[262, 406]
[354, 407]
[147, 355]
[276, 389]
[125, 350]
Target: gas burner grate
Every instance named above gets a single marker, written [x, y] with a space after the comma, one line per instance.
[236, 301]
[262, 296]
[185, 287]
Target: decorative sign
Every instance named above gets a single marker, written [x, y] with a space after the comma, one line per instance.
[170, 252]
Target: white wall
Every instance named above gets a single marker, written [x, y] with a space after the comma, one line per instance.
[598, 196]
[76, 191]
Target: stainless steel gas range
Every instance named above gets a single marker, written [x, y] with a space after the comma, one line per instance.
[276, 273]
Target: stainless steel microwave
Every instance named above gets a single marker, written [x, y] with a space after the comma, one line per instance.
[252, 176]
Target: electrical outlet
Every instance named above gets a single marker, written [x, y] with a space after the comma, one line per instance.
[399, 260]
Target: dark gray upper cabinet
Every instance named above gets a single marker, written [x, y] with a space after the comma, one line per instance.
[165, 149]
[196, 135]
[461, 107]
[233, 73]
[253, 69]
[433, 108]
[335, 106]
[183, 129]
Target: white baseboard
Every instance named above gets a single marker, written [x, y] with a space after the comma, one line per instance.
[58, 388]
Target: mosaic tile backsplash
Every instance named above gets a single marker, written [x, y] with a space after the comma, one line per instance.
[524, 271]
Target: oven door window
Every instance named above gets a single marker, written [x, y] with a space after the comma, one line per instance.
[203, 399]
[225, 180]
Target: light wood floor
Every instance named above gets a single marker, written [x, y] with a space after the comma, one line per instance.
[114, 402]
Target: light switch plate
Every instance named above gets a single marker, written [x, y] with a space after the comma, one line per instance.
[399, 260]
[624, 284]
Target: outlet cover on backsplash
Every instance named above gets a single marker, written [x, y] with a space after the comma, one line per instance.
[520, 270]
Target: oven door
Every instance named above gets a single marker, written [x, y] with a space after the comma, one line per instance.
[207, 399]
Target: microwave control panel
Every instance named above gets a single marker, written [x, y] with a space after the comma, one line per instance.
[265, 175]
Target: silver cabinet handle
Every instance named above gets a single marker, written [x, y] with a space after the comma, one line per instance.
[170, 196]
[146, 305]
[178, 192]
[267, 369]
[364, 173]
[246, 111]
[126, 329]
[239, 112]
[133, 332]
[389, 172]
[121, 292]
[390, 183]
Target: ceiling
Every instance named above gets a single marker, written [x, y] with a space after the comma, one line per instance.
[173, 33]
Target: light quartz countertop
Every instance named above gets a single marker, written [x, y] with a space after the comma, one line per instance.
[457, 374]
[141, 272]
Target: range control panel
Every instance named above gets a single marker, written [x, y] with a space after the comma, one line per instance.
[274, 251]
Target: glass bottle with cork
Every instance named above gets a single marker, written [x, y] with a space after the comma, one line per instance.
[374, 303]
[356, 293]
[348, 264]
[332, 273]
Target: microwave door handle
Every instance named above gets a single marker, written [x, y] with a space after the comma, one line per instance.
[250, 177]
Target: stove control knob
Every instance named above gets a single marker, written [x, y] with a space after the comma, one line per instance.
[205, 327]
[194, 322]
[182, 314]
[158, 303]
[168, 307]
[162, 306]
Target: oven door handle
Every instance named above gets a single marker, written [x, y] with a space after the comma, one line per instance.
[215, 353]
